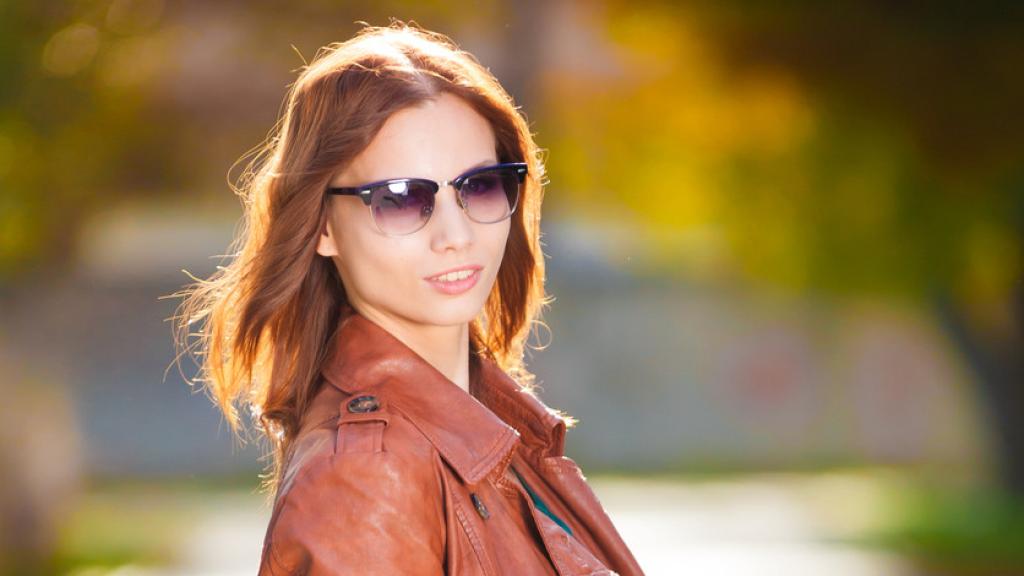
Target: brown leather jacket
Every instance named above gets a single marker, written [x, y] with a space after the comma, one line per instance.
[399, 471]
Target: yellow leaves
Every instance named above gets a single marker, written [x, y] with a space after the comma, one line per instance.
[660, 140]
[70, 50]
[773, 115]
[993, 258]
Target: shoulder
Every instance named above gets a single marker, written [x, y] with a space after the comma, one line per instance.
[360, 489]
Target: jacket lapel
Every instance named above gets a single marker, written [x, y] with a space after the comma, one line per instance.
[542, 429]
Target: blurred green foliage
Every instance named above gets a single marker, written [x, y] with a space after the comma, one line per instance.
[104, 529]
[954, 530]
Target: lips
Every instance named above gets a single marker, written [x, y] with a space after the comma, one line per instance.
[456, 280]
[439, 277]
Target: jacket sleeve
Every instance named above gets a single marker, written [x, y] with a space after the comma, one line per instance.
[359, 513]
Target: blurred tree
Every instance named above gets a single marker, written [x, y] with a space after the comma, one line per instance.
[946, 78]
[71, 138]
[866, 149]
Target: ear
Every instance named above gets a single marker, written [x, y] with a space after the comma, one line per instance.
[325, 244]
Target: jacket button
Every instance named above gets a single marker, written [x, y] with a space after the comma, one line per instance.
[479, 505]
[368, 403]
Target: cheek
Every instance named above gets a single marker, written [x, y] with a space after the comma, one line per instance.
[369, 261]
[499, 239]
[355, 251]
[496, 241]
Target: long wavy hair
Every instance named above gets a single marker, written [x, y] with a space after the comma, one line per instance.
[270, 315]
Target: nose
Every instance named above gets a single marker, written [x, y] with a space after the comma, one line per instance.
[451, 228]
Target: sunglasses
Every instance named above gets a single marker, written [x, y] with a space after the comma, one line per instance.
[401, 206]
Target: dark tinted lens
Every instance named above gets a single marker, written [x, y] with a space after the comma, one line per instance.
[491, 196]
[402, 207]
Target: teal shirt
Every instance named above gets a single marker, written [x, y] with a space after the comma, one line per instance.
[541, 505]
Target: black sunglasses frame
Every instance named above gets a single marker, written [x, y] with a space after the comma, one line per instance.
[365, 192]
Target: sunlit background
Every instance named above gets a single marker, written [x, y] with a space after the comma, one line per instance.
[785, 241]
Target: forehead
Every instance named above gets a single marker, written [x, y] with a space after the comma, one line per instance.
[437, 139]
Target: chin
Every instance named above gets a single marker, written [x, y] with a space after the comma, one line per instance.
[454, 312]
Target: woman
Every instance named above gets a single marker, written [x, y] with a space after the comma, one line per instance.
[374, 319]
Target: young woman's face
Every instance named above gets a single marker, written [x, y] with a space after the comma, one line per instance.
[388, 277]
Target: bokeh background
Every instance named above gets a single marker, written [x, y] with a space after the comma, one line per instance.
[785, 241]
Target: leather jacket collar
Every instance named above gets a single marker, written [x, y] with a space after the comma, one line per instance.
[476, 433]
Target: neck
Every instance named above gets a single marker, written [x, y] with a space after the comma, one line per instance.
[446, 348]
